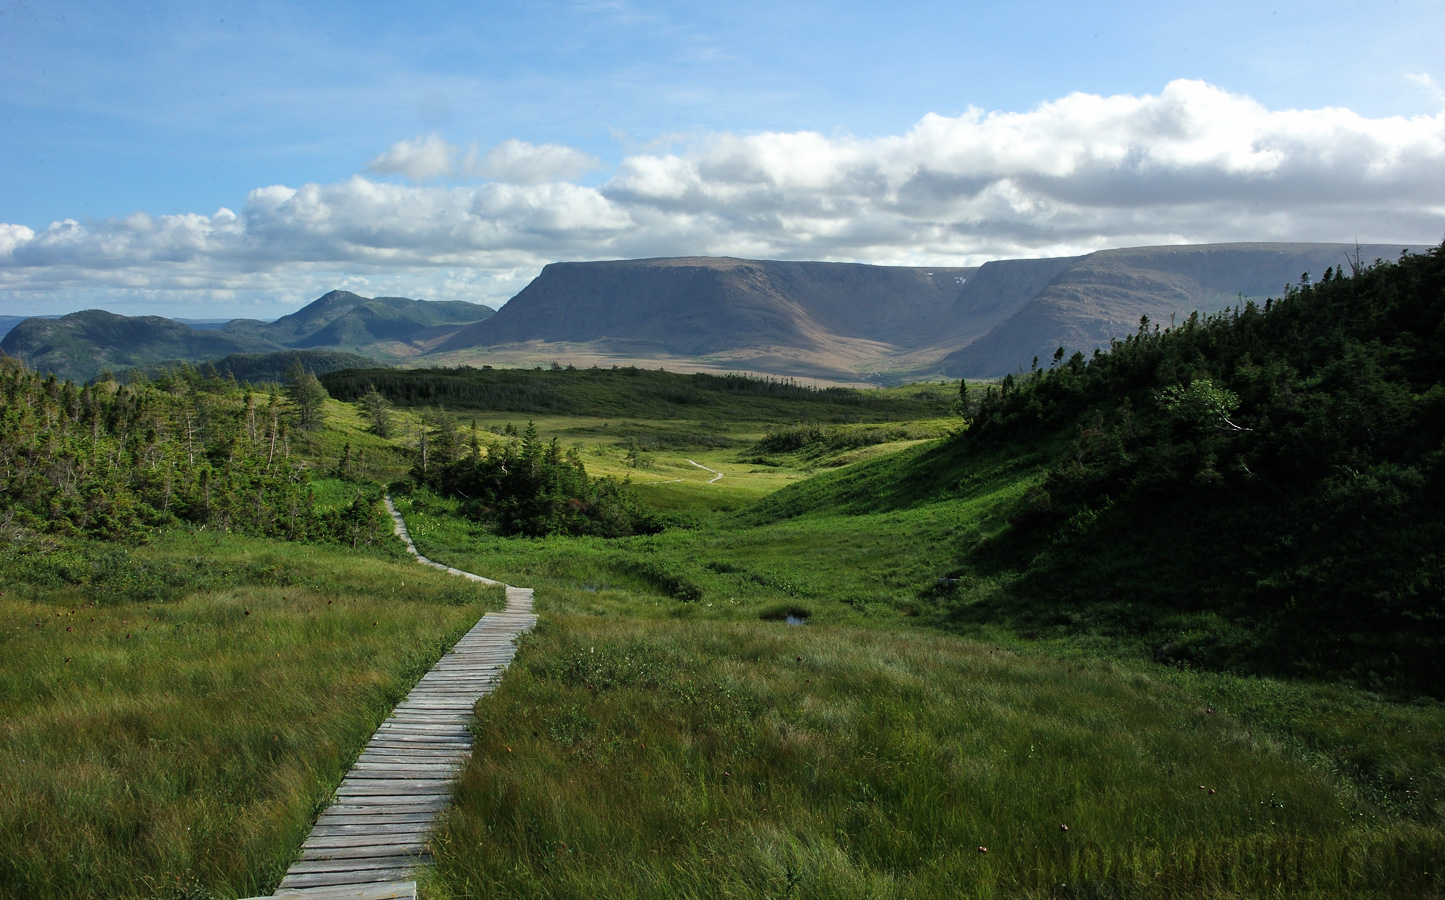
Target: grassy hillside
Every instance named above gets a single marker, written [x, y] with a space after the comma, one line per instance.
[1258, 490]
[81, 345]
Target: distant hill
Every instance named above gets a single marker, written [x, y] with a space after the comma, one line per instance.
[81, 345]
[9, 322]
[843, 322]
[1100, 297]
[344, 319]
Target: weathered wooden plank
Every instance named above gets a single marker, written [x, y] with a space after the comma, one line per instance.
[458, 715]
[381, 843]
[382, 755]
[380, 800]
[429, 805]
[395, 730]
[394, 890]
[309, 867]
[381, 827]
[401, 739]
[338, 828]
[406, 772]
[366, 768]
[323, 879]
[384, 786]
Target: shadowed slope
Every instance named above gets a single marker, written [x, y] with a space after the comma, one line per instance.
[1100, 297]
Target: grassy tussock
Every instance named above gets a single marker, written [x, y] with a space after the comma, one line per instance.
[179, 746]
[680, 759]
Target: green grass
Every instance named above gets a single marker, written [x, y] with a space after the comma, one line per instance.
[373, 458]
[175, 714]
[657, 758]
[901, 750]
[664, 732]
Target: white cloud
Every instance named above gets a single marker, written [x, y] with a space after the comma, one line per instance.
[423, 159]
[431, 157]
[524, 163]
[1191, 164]
[1426, 82]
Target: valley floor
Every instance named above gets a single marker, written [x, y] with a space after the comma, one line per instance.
[176, 712]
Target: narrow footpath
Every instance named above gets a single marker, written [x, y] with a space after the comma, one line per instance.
[371, 839]
[715, 473]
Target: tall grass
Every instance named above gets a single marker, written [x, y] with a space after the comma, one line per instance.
[173, 717]
[687, 759]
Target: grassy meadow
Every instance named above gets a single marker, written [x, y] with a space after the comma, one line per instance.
[174, 714]
[665, 732]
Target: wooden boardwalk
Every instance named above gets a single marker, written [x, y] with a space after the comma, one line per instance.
[366, 845]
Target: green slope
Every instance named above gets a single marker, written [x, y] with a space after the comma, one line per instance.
[1260, 490]
[81, 345]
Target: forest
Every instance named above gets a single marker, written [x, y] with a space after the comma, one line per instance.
[111, 460]
[1266, 483]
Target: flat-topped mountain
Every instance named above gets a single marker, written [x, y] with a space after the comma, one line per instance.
[81, 345]
[843, 321]
[698, 305]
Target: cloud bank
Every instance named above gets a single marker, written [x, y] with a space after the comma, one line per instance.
[1191, 164]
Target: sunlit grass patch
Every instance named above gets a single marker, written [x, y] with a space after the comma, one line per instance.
[185, 740]
[709, 759]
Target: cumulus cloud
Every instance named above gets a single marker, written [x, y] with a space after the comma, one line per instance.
[524, 163]
[431, 157]
[423, 159]
[1193, 163]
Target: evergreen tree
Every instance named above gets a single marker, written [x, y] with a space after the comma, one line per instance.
[307, 396]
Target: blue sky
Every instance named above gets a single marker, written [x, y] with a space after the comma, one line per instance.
[240, 159]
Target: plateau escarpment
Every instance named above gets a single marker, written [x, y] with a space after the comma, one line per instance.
[698, 306]
[840, 320]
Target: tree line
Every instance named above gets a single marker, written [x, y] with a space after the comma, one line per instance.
[1279, 465]
[520, 485]
[109, 459]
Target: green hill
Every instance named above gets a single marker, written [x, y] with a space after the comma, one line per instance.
[81, 345]
[1094, 299]
[1257, 490]
[344, 319]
